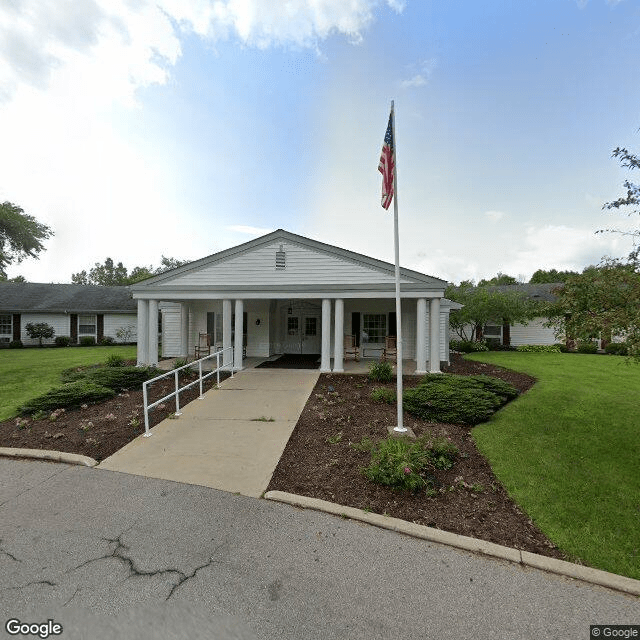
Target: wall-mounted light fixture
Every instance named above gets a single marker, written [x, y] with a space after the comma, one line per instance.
[258, 322]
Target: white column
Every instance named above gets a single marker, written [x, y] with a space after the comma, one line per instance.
[338, 339]
[153, 332]
[143, 332]
[227, 357]
[184, 329]
[325, 355]
[421, 336]
[237, 364]
[434, 335]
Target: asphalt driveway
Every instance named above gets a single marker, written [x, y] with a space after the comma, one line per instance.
[170, 560]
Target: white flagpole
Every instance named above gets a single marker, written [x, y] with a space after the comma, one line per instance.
[400, 428]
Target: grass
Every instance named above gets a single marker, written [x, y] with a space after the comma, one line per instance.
[27, 373]
[568, 451]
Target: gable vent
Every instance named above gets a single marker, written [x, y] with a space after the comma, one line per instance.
[281, 258]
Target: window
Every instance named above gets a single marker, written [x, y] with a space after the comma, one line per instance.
[493, 333]
[311, 326]
[6, 327]
[86, 325]
[374, 327]
[292, 325]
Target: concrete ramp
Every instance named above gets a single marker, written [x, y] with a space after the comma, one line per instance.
[232, 440]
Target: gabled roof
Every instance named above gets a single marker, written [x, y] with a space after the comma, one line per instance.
[386, 269]
[64, 298]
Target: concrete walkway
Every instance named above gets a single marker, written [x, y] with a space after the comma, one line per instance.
[232, 440]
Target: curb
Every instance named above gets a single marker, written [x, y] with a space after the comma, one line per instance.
[525, 558]
[53, 456]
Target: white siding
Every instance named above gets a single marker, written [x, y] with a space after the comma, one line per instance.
[170, 329]
[303, 265]
[532, 333]
[115, 321]
[59, 322]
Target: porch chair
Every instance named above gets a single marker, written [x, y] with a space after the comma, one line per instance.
[350, 348]
[203, 346]
[390, 348]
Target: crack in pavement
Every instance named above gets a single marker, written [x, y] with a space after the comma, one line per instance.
[121, 552]
[6, 553]
[65, 467]
[35, 582]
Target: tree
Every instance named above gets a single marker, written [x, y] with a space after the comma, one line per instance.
[40, 330]
[21, 236]
[552, 275]
[19, 279]
[111, 274]
[486, 305]
[501, 278]
[601, 302]
[631, 199]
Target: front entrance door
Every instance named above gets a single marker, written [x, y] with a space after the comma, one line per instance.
[302, 334]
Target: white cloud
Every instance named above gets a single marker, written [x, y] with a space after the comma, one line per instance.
[494, 216]
[420, 78]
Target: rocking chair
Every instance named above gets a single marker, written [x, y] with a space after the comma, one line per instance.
[203, 347]
[390, 348]
[350, 348]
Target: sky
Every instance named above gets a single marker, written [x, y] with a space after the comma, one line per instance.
[142, 128]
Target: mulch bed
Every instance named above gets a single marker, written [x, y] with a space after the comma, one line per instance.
[320, 462]
[99, 430]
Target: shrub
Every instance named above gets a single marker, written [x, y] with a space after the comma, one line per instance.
[486, 383]
[120, 377]
[381, 371]
[180, 362]
[114, 360]
[87, 341]
[587, 346]
[106, 341]
[442, 453]
[617, 349]
[562, 347]
[497, 346]
[398, 463]
[62, 341]
[16, 344]
[455, 404]
[384, 395]
[539, 348]
[40, 330]
[467, 346]
[72, 394]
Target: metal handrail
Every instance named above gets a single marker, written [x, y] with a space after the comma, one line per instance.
[178, 389]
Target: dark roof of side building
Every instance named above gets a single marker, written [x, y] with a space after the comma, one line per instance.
[537, 292]
[64, 298]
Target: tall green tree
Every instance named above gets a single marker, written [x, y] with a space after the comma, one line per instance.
[485, 305]
[21, 236]
[601, 302]
[629, 202]
[109, 274]
[499, 279]
[542, 276]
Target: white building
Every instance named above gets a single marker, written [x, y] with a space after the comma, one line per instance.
[285, 293]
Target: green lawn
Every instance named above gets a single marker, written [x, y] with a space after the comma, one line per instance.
[568, 451]
[27, 373]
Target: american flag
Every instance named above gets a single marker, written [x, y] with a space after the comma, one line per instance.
[385, 166]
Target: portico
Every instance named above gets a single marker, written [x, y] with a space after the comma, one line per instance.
[284, 293]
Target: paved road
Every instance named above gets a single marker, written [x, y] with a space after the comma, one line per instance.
[170, 560]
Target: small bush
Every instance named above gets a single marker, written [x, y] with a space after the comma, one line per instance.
[114, 360]
[87, 341]
[617, 349]
[486, 383]
[16, 344]
[106, 341]
[62, 341]
[73, 394]
[562, 347]
[587, 346]
[442, 453]
[180, 362]
[381, 371]
[384, 395]
[398, 463]
[120, 377]
[539, 348]
[497, 346]
[467, 346]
